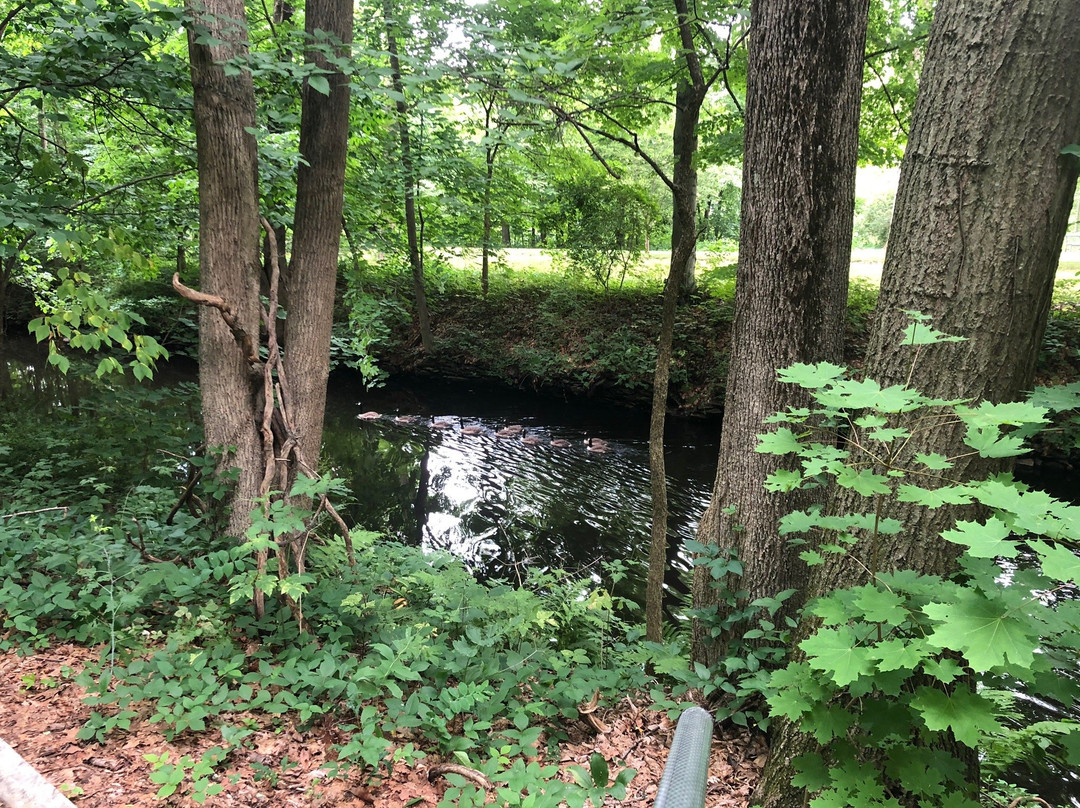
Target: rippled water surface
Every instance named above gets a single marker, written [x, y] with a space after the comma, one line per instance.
[433, 468]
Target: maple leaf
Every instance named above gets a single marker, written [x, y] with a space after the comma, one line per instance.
[967, 714]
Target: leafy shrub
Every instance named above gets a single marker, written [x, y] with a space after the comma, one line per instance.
[897, 666]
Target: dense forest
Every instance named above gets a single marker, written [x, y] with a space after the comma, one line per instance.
[654, 206]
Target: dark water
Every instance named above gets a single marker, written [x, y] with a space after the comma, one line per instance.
[498, 502]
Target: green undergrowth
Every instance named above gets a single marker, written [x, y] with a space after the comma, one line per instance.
[563, 335]
[408, 654]
[904, 676]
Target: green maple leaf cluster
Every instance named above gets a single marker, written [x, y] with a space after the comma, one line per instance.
[895, 667]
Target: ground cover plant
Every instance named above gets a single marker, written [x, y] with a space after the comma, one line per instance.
[408, 654]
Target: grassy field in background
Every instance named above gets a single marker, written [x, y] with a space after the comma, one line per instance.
[864, 263]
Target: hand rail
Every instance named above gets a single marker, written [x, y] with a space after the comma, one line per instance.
[684, 781]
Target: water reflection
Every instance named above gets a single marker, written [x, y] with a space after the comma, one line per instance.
[455, 480]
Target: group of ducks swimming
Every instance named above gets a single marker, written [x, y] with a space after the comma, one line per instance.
[594, 445]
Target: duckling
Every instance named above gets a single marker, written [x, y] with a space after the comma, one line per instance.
[472, 429]
[597, 445]
[531, 440]
[511, 431]
[560, 443]
[441, 424]
[406, 420]
[371, 415]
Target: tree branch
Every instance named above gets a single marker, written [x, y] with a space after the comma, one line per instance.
[228, 314]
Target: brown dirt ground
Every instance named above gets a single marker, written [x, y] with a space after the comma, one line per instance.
[41, 710]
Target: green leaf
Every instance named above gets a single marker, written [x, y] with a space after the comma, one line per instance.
[781, 442]
[919, 333]
[811, 377]
[598, 767]
[881, 606]
[1059, 563]
[319, 84]
[1073, 149]
[985, 631]
[865, 482]
[989, 540]
[934, 461]
[813, 774]
[836, 652]
[935, 497]
[944, 670]
[967, 714]
[826, 722]
[783, 480]
[887, 435]
[899, 654]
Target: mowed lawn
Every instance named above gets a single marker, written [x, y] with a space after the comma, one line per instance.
[864, 263]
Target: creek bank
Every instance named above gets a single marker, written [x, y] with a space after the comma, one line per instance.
[573, 342]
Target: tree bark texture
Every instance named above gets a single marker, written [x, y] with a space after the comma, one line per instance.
[981, 212]
[408, 166]
[317, 224]
[224, 112]
[802, 112]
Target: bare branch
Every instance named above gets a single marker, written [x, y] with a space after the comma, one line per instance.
[228, 314]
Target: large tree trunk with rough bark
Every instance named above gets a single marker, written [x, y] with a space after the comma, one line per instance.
[802, 113]
[980, 215]
[224, 111]
[317, 225]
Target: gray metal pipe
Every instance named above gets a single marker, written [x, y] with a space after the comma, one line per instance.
[684, 781]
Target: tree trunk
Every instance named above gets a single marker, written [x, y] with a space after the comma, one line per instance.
[491, 151]
[802, 113]
[320, 183]
[681, 283]
[416, 259]
[658, 539]
[980, 215]
[684, 184]
[224, 112]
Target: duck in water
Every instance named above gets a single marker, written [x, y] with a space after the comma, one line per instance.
[560, 443]
[472, 429]
[371, 415]
[597, 445]
[511, 431]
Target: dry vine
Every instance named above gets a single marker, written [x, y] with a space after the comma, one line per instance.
[282, 457]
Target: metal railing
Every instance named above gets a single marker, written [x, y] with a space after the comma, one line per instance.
[684, 781]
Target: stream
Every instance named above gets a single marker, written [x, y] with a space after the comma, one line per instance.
[504, 479]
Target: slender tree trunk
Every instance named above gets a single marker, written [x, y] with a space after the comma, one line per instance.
[802, 113]
[491, 151]
[980, 215]
[416, 260]
[688, 100]
[681, 283]
[320, 183]
[224, 111]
